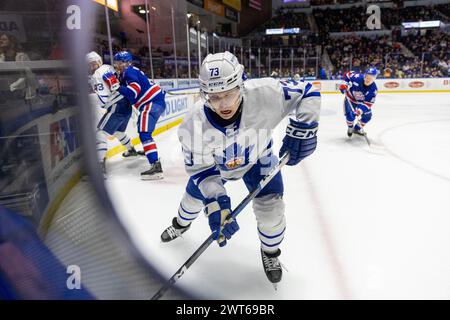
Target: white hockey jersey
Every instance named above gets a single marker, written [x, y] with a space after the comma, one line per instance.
[99, 86]
[213, 153]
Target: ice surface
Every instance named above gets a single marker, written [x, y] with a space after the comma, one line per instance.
[362, 222]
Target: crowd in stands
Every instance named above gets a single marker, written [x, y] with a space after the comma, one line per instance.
[355, 18]
[419, 53]
[286, 20]
[444, 9]
[435, 48]
[341, 20]
[394, 17]
[428, 56]
[360, 52]
[389, 54]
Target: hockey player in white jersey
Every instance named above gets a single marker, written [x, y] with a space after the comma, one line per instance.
[113, 120]
[228, 136]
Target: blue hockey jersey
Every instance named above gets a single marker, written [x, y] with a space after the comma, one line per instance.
[358, 92]
[138, 89]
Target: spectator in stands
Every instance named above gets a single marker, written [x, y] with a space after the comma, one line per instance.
[27, 83]
[387, 73]
[10, 50]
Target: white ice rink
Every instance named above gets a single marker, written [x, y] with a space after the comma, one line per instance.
[362, 223]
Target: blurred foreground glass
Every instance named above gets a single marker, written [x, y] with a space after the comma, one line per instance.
[59, 235]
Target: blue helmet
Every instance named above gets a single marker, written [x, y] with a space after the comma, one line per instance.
[372, 71]
[123, 56]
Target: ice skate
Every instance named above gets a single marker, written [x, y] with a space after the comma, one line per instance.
[154, 173]
[132, 153]
[350, 132]
[272, 266]
[359, 130]
[174, 231]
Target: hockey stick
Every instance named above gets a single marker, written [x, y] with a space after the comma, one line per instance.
[367, 139]
[116, 99]
[210, 239]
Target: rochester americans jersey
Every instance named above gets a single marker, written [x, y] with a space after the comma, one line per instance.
[213, 153]
[138, 89]
[359, 93]
[103, 92]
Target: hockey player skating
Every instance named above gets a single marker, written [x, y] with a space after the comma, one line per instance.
[227, 136]
[360, 91]
[148, 99]
[114, 121]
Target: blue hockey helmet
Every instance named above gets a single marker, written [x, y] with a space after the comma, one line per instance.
[372, 71]
[123, 56]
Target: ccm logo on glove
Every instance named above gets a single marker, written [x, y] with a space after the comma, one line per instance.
[300, 141]
[301, 133]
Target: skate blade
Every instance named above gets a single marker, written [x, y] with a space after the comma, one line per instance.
[275, 286]
[153, 177]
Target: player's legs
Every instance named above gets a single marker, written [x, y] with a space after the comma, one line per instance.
[349, 112]
[124, 139]
[102, 145]
[106, 127]
[190, 206]
[120, 132]
[115, 125]
[147, 120]
[366, 116]
[268, 205]
[269, 212]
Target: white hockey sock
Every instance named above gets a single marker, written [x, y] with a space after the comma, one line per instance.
[124, 139]
[102, 145]
[269, 212]
[188, 210]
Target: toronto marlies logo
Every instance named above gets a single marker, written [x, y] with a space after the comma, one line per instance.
[234, 156]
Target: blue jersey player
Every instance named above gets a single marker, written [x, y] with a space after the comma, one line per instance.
[149, 100]
[360, 92]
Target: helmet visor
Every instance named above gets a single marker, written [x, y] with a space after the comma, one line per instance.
[223, 99]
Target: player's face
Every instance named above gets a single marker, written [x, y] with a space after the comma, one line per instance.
[368, 79]
[93, 66]
[120, 66]
[225, 104]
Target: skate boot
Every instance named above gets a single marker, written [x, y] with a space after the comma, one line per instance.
[359, 130]
[154, 173]
[350, 132]
[272, 266]
[174, 231]
[131, 153]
